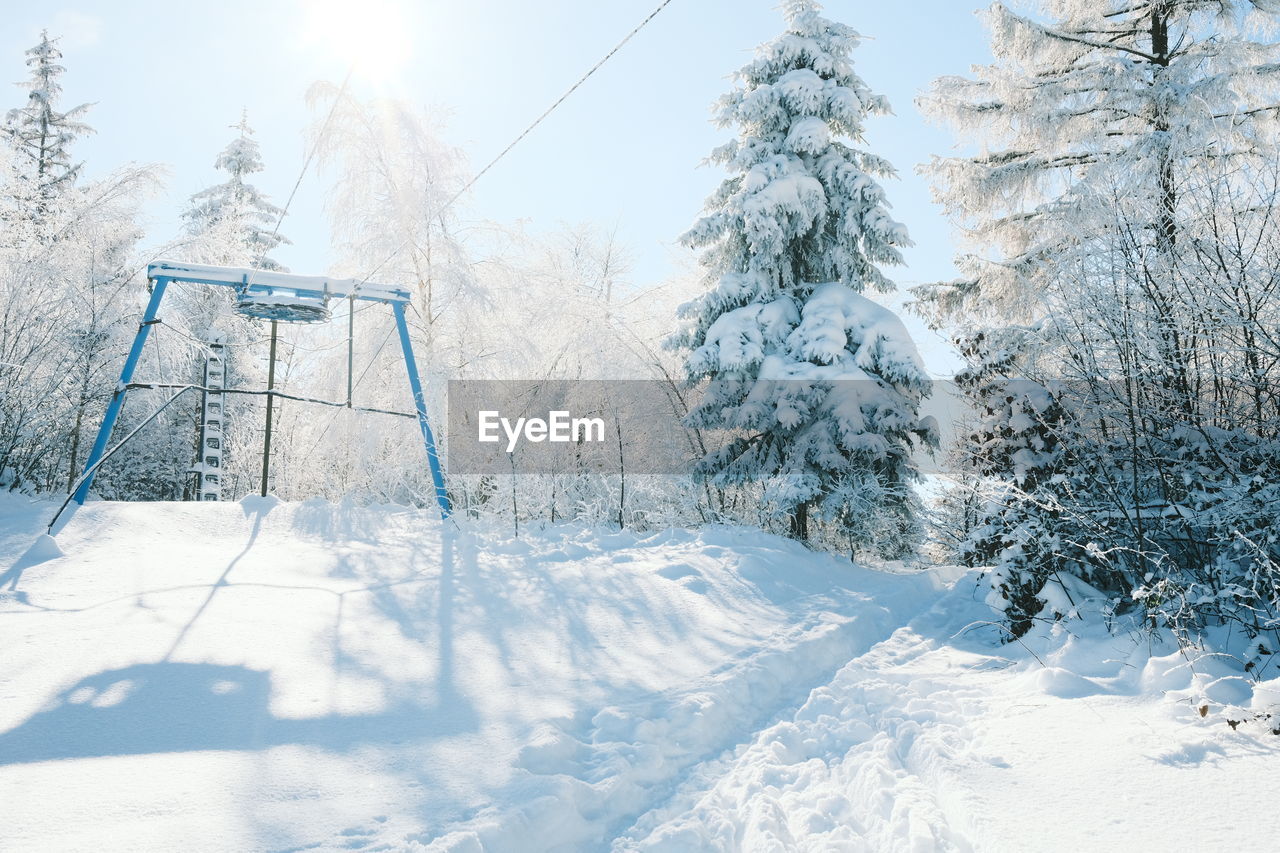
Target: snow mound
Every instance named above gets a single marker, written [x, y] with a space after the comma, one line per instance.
[45, 548]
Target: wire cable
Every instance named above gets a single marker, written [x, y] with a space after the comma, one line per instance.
[315, 147]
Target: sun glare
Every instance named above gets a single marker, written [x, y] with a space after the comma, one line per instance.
[371, 35]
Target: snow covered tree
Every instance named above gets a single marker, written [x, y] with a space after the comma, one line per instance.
[233, 223]
[1122, 204]
[819, 384]
[391, 218]
[393, 210]
[1089, 105]
[69, 308]
[68, 278]
[40, 135]
[1018, 452]
[230, 224]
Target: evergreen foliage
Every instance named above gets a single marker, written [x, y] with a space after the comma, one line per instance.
[819, 383]
[40, 135]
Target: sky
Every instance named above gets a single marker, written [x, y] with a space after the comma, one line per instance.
[167, 81]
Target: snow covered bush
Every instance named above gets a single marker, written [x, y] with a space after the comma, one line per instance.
[1016, 451]
[817, 384]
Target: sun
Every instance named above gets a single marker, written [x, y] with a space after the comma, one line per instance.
[369, 35]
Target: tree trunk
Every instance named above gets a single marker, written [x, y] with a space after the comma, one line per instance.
[622, 474]
[1168, 192]
[800, 522]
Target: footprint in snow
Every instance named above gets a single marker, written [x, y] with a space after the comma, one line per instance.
[552, 751]
[1190, 754]
[687, 576]
[1065, 684]
[565, 554]
[676, 571]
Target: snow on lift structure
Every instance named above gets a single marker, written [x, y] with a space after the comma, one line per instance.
[281, 308]
[281, 297]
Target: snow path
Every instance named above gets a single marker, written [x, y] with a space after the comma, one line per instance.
[854, 769]
[939, 739]
[612, 765]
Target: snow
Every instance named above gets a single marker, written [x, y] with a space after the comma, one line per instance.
[836, 320]
[281, 676]
[926, 744]
[267, 279]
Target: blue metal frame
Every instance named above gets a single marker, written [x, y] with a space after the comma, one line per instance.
[117, 399]
[420, 404]
[164, 272]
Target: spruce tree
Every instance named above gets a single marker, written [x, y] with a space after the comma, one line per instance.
[41, 136]
[233, 222]
[818, 384]
[1020, 450]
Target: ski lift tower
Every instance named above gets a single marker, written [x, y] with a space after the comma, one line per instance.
[208, 465]
[280, 298]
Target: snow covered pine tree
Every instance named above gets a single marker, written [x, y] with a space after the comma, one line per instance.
[68, 281]
[40, 135]
[232, 222]
[229, 224]
[1018, 450]
[819, 384]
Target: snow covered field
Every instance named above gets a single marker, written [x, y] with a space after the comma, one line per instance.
[266, 676]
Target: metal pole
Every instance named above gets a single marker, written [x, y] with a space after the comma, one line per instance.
[420, 404]
[351, 343]
[271, 384]
[117, 399]
[108, 454]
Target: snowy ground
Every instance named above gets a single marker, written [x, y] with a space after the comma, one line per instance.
[263, 676]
